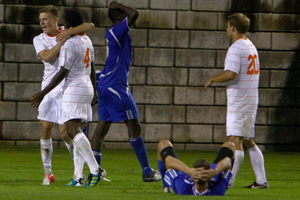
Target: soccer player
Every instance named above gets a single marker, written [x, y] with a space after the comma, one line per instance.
[47, 48]
[241, 74]
[202, 178]
[79, 92]
[115, 102]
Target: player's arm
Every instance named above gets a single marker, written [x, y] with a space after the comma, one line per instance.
[221, 78]
[174, 163]
[93, 79]
[223, 165]
[38, 97]
[132, 14]
[48, 55]
[82, 28]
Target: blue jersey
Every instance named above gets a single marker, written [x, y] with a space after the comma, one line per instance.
[118, 59]
[183, 184]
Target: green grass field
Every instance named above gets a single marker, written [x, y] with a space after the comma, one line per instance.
[21, 174]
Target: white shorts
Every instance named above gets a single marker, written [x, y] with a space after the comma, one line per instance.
[50, 108]
[241, 125]
[76, 111]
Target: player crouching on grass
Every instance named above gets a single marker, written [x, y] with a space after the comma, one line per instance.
[79, 92]
[202, 179]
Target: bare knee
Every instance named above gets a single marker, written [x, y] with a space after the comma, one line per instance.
[134, 128]
[229, 145]
[163, 144]
[238, 141]
[64, 133]
[46, 129]
[248, 144]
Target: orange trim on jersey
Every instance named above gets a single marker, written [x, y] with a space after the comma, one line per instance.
[59, 28]
[81, 34]
[243, 38]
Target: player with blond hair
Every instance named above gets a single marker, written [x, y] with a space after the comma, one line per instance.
[47, 49]
[241, 74]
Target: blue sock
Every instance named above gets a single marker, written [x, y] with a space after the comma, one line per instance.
[98, 156]
[141, 153]
[162, 170]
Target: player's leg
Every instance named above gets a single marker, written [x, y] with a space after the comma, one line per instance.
[257, 162]
[227, 150]
[238, 126]
[238, 159]
[98, 139]
[83, 146]
[165, 148]
[137, 143]
[67, 140]
[46, 151]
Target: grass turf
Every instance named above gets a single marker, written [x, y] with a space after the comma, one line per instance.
[21, 175]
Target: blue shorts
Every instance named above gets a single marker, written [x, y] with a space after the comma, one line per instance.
[116, 104]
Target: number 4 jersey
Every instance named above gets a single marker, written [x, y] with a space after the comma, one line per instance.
[76, 55]
[242, 92]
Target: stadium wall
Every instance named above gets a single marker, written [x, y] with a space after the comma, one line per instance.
[177, 45]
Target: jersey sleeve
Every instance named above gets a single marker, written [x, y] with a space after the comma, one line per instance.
[120, 30]
[67, 55]
[233, 60]
[38, 45]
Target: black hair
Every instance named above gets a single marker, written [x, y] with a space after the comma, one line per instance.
[73, 18]
[116, 14]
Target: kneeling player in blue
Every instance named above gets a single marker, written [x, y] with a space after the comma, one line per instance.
[202, 179]
[115, 102]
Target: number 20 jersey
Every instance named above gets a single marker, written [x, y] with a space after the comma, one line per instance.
[242, 92]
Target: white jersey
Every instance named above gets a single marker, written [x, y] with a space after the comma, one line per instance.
[47, 42]
[242, 92]
[76, 55]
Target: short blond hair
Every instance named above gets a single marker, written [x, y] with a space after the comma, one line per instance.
[240, 21]
[53, 10]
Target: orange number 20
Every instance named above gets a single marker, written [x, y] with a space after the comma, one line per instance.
[253, 66]
[87, 58]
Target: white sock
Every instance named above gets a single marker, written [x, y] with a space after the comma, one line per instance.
[46, 152]
[238, 160]
[84, 148]
[78, 164]
[257, 162]
[70, 147]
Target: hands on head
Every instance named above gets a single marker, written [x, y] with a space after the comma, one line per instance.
[201, 174]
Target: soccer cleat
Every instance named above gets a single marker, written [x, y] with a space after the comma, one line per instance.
[73, 182]
[94, 179]
[258, 186]
[48, 178]
[153, 176]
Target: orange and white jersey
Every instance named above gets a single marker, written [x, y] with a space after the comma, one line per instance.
[76, 55]
[242, 92]
[47, 42]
